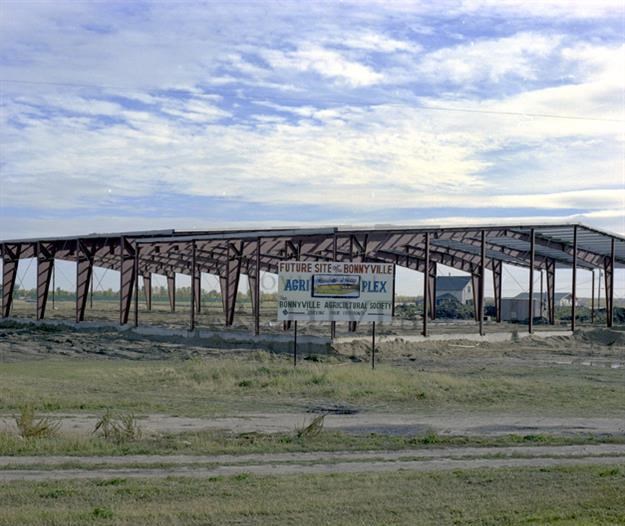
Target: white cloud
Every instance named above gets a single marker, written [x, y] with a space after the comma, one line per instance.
[489, 60]
[325, 62]
[377, 42]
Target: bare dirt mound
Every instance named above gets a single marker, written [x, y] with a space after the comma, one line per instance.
[609, 337]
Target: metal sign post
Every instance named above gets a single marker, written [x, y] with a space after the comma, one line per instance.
[295, 344]
[373, 345]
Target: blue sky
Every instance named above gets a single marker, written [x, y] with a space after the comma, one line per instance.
[130, 115]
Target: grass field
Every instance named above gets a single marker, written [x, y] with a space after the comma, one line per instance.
[567, 496]
[68, 374]
[261, 381]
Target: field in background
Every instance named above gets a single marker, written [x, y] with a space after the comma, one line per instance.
[212, 317]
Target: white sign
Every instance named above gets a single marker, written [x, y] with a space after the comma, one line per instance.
[333, 291]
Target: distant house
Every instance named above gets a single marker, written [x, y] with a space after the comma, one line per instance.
[562, 299]
[458, 288]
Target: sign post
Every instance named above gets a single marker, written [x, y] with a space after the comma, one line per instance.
[335, 291]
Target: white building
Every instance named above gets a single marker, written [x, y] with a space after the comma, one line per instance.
[562, 299]
[456, 287]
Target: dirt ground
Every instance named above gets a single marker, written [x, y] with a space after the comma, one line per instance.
[483, 425]
[308, 463]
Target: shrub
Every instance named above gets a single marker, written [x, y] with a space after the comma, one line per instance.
[30, 427]
[313, 429]
[118, 428]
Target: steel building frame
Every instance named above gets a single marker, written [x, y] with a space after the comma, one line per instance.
[230, 253]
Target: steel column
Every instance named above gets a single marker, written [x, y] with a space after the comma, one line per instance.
[127, 279]
[574, 279]
[530, 314]
[147, 290]
[393, 292]
[609, 266]
[231, 280]
[599, 291]
[251, 283]
[333, 323]
[197, 289]
[10, 261]
[592, 298]
[475, 287]
[45, 268]
[136, 285]
[426, 284]
[53, 286]
[482, 280]
[432, 290]
[542, 295]
[84, 271]
[256, 300]
[497, 282]
[551, 291]
[193, 286]
[171, 291]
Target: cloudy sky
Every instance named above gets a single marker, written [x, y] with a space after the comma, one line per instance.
[171, 114]
[127, 115]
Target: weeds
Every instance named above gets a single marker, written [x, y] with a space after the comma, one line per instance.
[313, 429]
[30, 427]
[118, 428]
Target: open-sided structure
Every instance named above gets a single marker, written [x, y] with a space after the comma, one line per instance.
[229, 254]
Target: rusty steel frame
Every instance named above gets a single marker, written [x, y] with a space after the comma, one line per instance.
[229, 254]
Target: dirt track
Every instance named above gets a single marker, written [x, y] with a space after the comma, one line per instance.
[310, 463]
[361, 423]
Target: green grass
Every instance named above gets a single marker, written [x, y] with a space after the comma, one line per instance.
[261, 381]
[219, 442]
[563, 496]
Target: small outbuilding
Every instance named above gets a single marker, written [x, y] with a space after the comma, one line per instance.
[517, 309]
[562, 299]
[458, 288]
